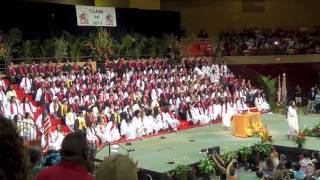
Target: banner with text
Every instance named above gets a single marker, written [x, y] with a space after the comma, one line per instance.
[96, 16]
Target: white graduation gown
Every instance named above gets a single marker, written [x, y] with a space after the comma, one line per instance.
[128, 130]
[292, 118]
[226, 115]
[70, 119]
[172, 122]
[26, 85]
[113, 131]
[159, 123]
[137, 123]
[102, 133]
[148, 124]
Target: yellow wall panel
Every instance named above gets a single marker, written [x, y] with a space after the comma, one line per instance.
[71, 2]
[145, 4]
[112, 3]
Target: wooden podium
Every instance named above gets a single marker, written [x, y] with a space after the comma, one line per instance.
[241, 122]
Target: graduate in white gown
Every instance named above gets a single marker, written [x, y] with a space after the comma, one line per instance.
[26, 84]
[137, 123]
[127, 128]
[27, 106]
[91, 134]
[217, 109]
[227, 112]
[159, 122]
[292, 118]
[113, 130]
[70, 119]
[170, 119]
[55, 139]
[148, 122]
[192, 114]
[102, 133]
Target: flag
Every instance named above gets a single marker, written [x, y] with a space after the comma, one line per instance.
[46, 133]
[284, 89]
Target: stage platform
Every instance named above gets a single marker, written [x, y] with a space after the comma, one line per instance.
[155, 153]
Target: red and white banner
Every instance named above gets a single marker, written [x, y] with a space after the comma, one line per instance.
[96, 16]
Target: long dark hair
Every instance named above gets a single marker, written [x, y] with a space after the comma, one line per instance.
[14, 163]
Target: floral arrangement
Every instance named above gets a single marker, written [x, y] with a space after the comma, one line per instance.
[259, 130]
[50, 159]
[313, 132]
[299, 138]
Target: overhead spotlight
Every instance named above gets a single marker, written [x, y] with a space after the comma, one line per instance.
[276, 43]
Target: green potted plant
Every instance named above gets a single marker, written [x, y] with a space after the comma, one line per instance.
[206, 167]
[227, 156]
[181, 171]
[244, 152]
[263, 148]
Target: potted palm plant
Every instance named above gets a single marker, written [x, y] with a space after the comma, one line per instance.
[206, 167]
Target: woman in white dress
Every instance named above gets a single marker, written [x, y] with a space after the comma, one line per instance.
[137, 123]
[227, 111]
[102, 132]
[159, 123]
[127, 128]
[26, 84]
[55, 139]
[292, 118]
[27, 106]
[148, 122]
[170, 119]
[112, 128]
[192, 114]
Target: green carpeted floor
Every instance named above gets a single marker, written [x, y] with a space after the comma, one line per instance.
[155, 153]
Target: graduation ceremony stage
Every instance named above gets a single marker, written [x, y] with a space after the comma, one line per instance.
[155, 153]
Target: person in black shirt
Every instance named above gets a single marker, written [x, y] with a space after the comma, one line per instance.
[298, 95]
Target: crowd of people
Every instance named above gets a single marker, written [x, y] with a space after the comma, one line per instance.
[126, 99]
[257, 41]
[275, 166]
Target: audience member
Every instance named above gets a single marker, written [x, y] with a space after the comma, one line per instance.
[75, 162]
[14, 163]
[117, 167]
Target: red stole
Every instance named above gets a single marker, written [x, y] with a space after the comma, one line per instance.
[24, 107]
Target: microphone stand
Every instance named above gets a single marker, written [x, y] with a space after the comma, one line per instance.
[128, 150]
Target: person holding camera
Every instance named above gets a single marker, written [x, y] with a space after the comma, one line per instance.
[228, 171]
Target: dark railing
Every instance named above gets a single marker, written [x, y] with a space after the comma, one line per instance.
[29, 132]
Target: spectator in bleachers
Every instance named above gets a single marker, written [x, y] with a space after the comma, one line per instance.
[306, 164]
[14, 161]
[75, 162]
[254, 41]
